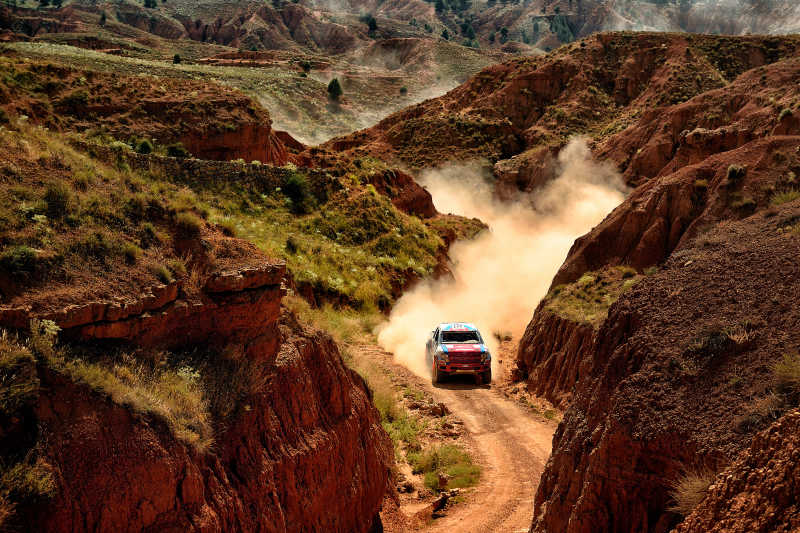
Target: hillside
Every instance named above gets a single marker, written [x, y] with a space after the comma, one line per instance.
[667, 333]
[519, 113]
[284, 55]
[143, 289]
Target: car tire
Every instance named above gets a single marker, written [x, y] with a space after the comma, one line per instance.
[487, 377]
[435, 373]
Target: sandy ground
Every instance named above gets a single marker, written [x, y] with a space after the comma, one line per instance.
[510, 442]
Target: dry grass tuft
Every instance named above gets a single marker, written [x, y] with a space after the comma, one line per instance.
[689, 489]
[787, 374]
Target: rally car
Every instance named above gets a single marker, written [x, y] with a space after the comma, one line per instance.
[458, 348]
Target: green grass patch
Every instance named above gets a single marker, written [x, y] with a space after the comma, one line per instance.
[588, 299]
[451, 460]
[174, 394]
[355, 249]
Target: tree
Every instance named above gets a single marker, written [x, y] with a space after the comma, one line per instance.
[58, 3]
[335, 90]
[439, 6]
[103, 18]
[372, 24]
[445, 35]
[150, 4]
[44, 3]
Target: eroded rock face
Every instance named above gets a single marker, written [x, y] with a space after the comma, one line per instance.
[550, 355]
[404, 192]
[760, 491]
[662, 214]
[308, 454]
[237, 306]
[663, 386]
[251, 142]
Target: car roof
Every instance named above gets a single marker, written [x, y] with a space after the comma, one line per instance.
[457, 326]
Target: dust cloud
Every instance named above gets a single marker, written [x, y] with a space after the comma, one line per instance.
[501, 275]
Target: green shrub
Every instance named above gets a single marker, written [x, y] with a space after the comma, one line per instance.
[177, 150]
[162, 273]
[744, 203]
[736, 173]
[176, 59]
[178, 267]
[448, 459]
[151, 236]
[23, 481]
[19, 261]
[144, 147]
[131, 252]
[296, 188]
[787, 374]
[188, 224]
[17, 374]
[136, 206]
[58, 199]
[335, 90]
[97, 245]
[75, 102]
[228, 227]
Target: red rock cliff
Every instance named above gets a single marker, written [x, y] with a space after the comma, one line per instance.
[305, 452]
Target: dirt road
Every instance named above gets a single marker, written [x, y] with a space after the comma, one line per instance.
[511, 444]
[512, 447]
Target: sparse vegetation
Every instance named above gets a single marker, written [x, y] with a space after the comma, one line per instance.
[787, 375]
[189, 225]
[18, 261]
[689, 489]
[785, 197]
[162, 273]
[588, 299]
[177, 150]
[449, 462]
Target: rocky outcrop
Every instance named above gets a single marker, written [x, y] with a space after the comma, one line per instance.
[241, 306]
[262, 27]
[665, 140]
[525, 172]
[212, 121]
[404, 192]
[660, 215]
[251, 142]
[525, 109]
[760, 491]
[269, 469]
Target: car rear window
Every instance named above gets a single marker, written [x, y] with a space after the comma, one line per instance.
[460, 337]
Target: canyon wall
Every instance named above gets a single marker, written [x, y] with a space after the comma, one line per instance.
[269, 468]
[680, 375]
